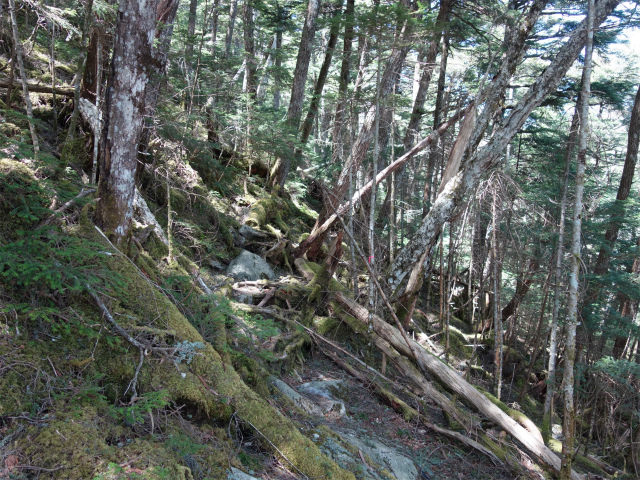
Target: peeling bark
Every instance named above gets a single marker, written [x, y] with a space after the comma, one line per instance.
[131, 68]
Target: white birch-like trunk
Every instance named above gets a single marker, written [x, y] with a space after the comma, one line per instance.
[568, 423]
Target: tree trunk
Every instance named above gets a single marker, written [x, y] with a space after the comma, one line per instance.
[553, 335]
[280, 171]
[322, 75]
[417, 111]
[233, 9]
[362, 143]
[343, 83]
[81, 64]
[191, 30]
[472, 169]
[433, 151]
[568, 421]
[132, 61]
[17, 45]
[165, 16]
[249, 48]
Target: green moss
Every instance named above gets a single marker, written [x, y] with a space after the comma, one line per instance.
[262, 212]
[324, 325]
[75, 152]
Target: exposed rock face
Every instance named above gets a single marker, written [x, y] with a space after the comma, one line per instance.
[249, 266]
[326, 395]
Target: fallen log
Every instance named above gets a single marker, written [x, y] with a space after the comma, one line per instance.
[409, 413]
[67, 92]
[453, 381]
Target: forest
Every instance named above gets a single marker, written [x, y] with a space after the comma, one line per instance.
[287, 239]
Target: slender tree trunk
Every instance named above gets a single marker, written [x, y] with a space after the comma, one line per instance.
[497, 284]
[278, 64]
[553, 336]
[214, 27]
[125, 102]
[433, 151]
[233, 9]
[96, 133]
[568, 423]
[191, 30]
[417, 111]
[322, 76]
[343, 83]
[280, 171]
[249, 48]
[81, 63]
[17, 45]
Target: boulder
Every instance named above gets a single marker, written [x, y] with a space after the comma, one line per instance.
[325, 394]
[249, 266]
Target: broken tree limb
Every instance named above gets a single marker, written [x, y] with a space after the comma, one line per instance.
[385, 173]
[453, 381]
[67, 92]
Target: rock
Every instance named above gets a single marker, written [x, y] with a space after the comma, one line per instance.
[304, 403]
[216, 265]
[236, 474]
[249, 266]
[400, 466]
[326, 395]
[251, 233]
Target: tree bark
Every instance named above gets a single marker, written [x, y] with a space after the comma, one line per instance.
[233, 9]
[191, 30]
[17, 45]
[125, 102]
[472, 169]
[249, 47]
[165, 16]
[568, 421]
[282, 166]
[307, 125]
[553, 335]
[343, 83]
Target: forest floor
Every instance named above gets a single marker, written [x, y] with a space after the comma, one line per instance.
[435, 457]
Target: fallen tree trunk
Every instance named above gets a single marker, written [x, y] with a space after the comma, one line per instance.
[67, 92]
[452, 380]
[409, 413]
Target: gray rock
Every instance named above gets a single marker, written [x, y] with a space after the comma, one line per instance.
[249, 266]
[236, 474]
[326, 395]
[400, 466]
[251, 233]
[301, 401]
[216, 265]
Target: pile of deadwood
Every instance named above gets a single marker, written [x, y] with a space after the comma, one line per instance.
[411, 359]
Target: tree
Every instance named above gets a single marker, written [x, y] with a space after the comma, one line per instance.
[280, 170]
[131, 65]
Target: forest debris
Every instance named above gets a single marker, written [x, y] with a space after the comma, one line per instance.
[453, 381]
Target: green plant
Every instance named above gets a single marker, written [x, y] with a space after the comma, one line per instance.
[136, 413]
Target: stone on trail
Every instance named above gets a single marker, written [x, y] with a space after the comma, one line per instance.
[249, 266]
